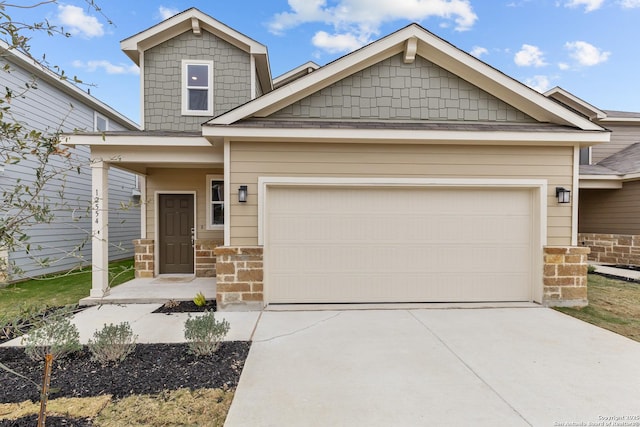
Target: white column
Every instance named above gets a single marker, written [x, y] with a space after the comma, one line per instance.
[100, 228]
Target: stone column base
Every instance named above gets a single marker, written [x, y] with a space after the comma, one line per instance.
[239, 278]
[565, 276]
[144, 258]
[205, 261]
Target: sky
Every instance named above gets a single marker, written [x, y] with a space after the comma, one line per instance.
[590, 48]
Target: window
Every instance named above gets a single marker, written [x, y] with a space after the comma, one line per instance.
[100, 122]
[215, 200]
[197, 88]
[585, 155]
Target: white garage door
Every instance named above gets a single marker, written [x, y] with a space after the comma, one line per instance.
[385, 244]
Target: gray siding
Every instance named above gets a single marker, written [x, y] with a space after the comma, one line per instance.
[66, 241]
[163, 79]
[393, 90]
[622, 136]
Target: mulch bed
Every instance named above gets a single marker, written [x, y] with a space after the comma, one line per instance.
[150, 369]
[186, 307]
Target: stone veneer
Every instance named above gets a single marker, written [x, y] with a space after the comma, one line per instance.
[205, 259]
[205, 262]
[239, 278]
[565, 276]
[621, 249]
[144, 257]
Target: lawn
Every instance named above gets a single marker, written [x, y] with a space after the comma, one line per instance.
[58, 290]
[613, 305]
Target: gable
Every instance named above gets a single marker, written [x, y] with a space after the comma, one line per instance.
[395, 90]
[163, 79]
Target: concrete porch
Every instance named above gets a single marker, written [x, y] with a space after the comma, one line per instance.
[157, 290]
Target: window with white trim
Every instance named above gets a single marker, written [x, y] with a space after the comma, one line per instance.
[197, 88]
[215, 202]
[100, 122]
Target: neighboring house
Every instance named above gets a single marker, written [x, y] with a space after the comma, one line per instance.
[57, 104]
[609, 213]
[406, 171]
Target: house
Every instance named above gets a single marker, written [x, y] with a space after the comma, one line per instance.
[406, 171]
[50, 105]
[609, 212]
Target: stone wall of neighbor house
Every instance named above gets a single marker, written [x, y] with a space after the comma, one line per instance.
[205, 261]
[565, 276]
[239, 278]
[623, 249]
[144, 257]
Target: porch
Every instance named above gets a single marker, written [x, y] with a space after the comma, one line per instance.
[157, 290]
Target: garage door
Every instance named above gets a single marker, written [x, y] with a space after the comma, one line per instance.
[386, 244]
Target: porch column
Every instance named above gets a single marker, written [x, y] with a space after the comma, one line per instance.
[100, 229]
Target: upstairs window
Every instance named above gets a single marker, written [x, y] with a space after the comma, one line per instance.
[197, 88]
[100, 122]
[215, 193]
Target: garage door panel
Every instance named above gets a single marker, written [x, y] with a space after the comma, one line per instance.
[398, 244]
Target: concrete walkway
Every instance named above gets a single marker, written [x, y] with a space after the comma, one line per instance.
[462, 367]
[621, 273]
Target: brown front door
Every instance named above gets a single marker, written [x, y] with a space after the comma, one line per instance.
[175, 233]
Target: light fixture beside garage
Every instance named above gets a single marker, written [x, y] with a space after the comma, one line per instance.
[563, 195]
[242, 194]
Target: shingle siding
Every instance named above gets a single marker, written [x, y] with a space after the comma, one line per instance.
[393, 90]
[163, 79]
[65, 241]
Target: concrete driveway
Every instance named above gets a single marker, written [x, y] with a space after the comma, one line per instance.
[462, 367]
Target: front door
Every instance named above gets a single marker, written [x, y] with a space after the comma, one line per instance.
[176, 233]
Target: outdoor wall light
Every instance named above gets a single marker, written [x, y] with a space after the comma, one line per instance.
[563, 195]
[242, 194]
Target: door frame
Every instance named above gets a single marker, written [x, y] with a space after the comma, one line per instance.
[156, 219]
[539, 189]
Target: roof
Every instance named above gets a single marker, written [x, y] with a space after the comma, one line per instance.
[579, 105]
[295, 74]
[194, 20]
[64, 85]
[596, 170]
[625, 161]
[411, 41]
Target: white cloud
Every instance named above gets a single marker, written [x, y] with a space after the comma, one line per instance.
[478, 51]
[539, 83]
[586, 54]
[361, 19]
[108, 67]
[529, 56]
[589, 5]
[630, 4]
[336, 43]
[75, 21]
[167, 12]
[563, 66]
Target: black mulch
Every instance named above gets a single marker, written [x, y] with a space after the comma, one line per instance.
[185, 307]
[150, 369]
[32, 420]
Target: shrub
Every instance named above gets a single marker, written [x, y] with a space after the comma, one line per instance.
[204, 333]
[58, 336]
[200, 300]
[113, 343]
[591, 269]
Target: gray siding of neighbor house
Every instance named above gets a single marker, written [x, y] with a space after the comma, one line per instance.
[66, 241]
[163, 79]
[610, 211]
[622, 136]
[393, 90]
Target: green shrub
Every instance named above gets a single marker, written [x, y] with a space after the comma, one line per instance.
[591, 269]
[58, 336]
[204, 333]
[200, 300]
[113, 343]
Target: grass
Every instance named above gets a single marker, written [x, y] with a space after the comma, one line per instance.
[613, 305]
[58, 290]
[203, 407]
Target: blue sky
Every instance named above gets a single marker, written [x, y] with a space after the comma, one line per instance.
[588, 47]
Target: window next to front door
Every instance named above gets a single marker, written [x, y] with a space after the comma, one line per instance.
[215, 202]
[197, 88]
